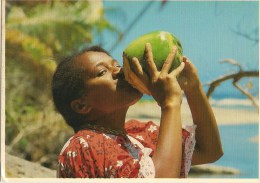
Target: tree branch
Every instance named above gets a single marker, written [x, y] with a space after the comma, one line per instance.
[246, 35]
[131, 25]
[235, 76]
[233, 62]
[246, 94]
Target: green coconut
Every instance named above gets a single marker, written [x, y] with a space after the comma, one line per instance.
[162, 42]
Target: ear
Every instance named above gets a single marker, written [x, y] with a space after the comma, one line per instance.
[79, 106]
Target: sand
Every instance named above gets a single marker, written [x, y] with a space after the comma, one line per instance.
[150, 111]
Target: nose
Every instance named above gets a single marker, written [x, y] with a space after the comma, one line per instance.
[117, 73]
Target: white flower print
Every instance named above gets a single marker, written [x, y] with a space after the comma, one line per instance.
[152, 128]
[106, 136]
[139, 137]
[87, 136]
[135, 160]
[71, 153]
[119, 163]
[82, 141]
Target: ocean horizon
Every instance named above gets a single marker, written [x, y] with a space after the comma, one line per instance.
[223, 101]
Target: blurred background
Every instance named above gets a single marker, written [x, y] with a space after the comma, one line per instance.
[220, 38]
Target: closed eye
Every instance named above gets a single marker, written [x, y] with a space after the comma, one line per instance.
[101, 72]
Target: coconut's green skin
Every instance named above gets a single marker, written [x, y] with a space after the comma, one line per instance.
[162, 42]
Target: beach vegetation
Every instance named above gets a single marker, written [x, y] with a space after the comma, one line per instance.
[37, 35]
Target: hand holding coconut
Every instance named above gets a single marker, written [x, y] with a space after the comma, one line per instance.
[161, 82]
[136, 68]
[162, 85]
[189, 78]
[136, 61]
[160, 70]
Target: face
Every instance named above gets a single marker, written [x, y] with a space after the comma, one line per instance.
[107, 90]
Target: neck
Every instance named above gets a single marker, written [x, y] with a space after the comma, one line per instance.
[114, 120]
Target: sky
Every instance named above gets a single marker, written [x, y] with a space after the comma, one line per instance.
[205, 29]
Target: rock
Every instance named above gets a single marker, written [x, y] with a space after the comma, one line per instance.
[17, 168]
[213, 169]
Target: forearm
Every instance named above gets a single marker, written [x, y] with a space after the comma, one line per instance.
[168, 152]
[208, 144]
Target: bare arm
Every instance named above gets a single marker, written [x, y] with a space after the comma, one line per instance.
[168, 153]
[166, 90]
[208, 144]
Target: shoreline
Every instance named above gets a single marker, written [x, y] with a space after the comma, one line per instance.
[146, 110]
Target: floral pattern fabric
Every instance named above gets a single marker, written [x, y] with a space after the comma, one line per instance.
[93, 154]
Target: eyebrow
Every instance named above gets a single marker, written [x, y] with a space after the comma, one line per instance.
[102, 62]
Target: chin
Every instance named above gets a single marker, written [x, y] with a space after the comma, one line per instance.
[136, 99]
[131, 96]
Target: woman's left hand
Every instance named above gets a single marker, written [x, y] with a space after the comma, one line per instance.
[208, 147]
[188, 78]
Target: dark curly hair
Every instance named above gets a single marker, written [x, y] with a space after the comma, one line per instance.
[68, 85]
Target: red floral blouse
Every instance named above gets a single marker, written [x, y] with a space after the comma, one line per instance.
[93, 154]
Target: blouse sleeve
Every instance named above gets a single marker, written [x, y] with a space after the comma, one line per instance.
[188, 144]
[82, 159]
[77, 161]
[147, 135]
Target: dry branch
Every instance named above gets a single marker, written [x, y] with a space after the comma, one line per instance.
[236, 77]
[246, 94]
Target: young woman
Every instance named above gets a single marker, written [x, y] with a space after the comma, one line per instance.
[92, 93]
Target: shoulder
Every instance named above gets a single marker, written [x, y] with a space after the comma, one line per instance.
[83, 139]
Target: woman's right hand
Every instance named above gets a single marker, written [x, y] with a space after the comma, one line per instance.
[164, 86]
[167, 92]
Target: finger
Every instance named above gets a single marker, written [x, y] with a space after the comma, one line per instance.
[184, 59]
[136, 83]
[132, 78]
[178, 70]
[168, 62]
[137, 67]
[126, 67]
[188, 63]
[149, 61]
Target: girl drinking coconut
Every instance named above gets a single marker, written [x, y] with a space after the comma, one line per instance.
[92, 93]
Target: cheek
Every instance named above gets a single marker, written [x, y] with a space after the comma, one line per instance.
[106, 96]
[101, 87]
[101, 94]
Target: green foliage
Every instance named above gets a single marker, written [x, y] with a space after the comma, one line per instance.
[37, 33]
[61, 26]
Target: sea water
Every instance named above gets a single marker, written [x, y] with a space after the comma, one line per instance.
[239, 151]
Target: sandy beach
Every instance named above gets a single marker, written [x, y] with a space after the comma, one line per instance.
[150, 111]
